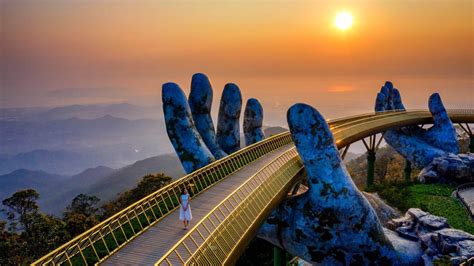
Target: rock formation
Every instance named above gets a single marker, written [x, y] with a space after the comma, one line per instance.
[436, 237]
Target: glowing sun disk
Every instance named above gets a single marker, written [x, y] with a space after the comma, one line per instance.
[343, 20]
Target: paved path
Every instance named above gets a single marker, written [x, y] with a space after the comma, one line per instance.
[151, 245]
[467, 197]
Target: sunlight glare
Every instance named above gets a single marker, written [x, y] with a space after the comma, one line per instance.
[343, 20]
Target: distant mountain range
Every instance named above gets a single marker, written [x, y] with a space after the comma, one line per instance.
[66, 140]
[270, 131]
[60, 161]
[92, 111]
[72, 145]
[57, 191]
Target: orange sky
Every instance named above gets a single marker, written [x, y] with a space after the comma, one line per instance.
[281, 52]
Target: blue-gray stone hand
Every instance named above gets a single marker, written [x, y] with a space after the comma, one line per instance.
[332, 223]
[419, 145]
[435, 149]
[190, 127]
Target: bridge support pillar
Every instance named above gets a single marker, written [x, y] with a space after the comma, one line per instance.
[370, 167]
[372, 146]
[280, 257]
[407, 171]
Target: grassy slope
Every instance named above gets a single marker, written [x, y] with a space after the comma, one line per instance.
[433, 198]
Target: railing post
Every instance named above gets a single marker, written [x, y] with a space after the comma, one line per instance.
[407, 171]
[370, 167]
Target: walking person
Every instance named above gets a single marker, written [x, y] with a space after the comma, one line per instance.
[185, 214]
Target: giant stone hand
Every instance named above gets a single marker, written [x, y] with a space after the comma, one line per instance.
[434, 149]
[191, 130]
[332, 223]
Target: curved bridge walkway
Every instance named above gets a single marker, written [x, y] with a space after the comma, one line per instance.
[150, 246]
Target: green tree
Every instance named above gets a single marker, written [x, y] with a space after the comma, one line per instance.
[21, 205]
[39, 232]
[45, 234]
[84, 204]
[12, 247]
[81, 214]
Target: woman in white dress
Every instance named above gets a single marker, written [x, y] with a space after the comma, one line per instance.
[185, 214]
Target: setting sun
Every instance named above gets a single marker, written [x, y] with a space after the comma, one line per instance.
[343, 20]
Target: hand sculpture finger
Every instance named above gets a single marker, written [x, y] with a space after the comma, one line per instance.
[228, 129]
[188, 144]
[253, 120]
[200, 102]
[380, 102]
[388, 99]
[442, 134]
[397, 100]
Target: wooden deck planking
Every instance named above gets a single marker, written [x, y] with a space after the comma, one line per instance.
[152, 244]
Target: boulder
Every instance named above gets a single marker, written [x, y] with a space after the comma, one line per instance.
[465, 248]
[433, 222]
[416, 213]
[407, 232]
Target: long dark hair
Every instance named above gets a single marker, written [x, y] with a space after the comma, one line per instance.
[183, 191]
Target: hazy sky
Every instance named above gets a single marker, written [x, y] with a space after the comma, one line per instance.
[282, 52]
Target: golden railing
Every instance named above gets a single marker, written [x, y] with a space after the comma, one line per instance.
[215, 239]
[104, 239]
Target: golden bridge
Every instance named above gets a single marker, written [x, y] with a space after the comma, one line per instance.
[231, 199]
